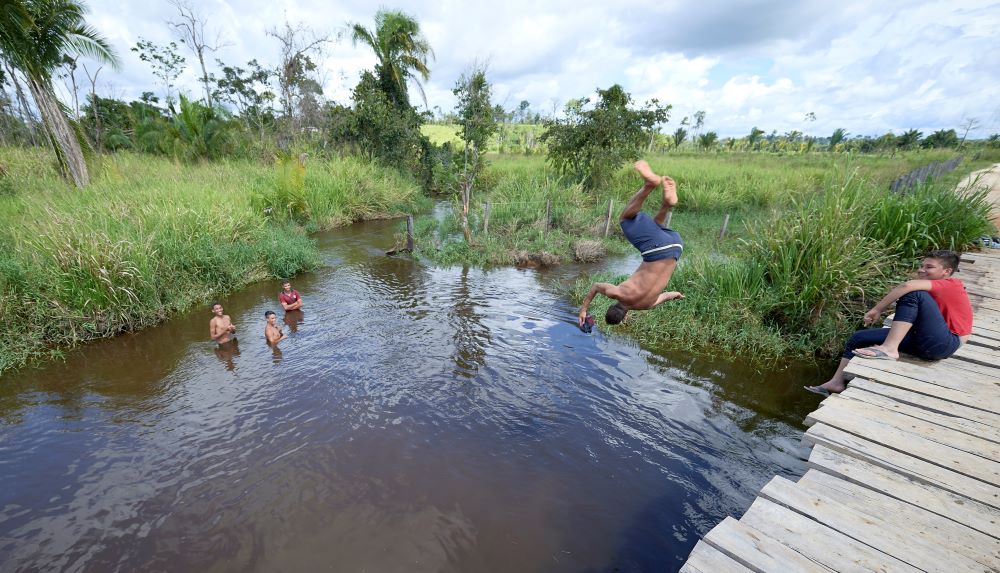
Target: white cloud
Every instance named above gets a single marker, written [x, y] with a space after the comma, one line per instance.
[867, 68]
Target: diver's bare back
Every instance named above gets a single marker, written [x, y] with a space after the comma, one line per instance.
[641, 290]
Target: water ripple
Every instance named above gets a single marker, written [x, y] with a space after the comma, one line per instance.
[418, 418]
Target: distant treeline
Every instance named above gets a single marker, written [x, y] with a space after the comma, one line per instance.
[255, 111]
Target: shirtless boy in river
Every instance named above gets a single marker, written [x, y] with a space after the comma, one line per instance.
[221, 326]
[660, 249]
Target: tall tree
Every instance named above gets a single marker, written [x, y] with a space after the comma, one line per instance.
[167, 64]
[36, 47]
[191, 30]
[699, 120]
[679, 136]
[249, 90]
[941, 138]
[297, 44]
[909, 139]
[478, 119]
[838, 136]
[401, 50]
[590, 144]
[968, 124]
[708, 140]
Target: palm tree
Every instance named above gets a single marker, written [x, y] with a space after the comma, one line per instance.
[838, 136]
[402, 53]
[708, 140]
[34, 36]
[909, 139]
[679, 136]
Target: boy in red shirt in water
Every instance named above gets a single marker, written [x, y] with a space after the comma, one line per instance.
[933, 319]
[288, 297]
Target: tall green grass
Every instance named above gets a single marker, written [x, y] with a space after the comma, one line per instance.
[800, 280]
[745, 186]
[150, 237]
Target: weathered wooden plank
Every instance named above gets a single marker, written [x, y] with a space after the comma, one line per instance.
[979, 340]
[909, 545]
[979, 355]
[990, 297]
[945, 532]
[961, 452]
[948, 374]
[706, 559]
[982, 301]
[757, 551]
[978, 516]
[984, 373]
[986, 318]
[957, 423]
[930, 403]
[817, 541]
[985, 333]
[864, 369]
[915, 468]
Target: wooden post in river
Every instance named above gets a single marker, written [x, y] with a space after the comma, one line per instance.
[607, 222]
[409, 233]
[486, 218]
[725, 225]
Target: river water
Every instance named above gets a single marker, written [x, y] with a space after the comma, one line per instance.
[418, 419]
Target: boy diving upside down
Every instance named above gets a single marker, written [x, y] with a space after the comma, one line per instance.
[660, 249]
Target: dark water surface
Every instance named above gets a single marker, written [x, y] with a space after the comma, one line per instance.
[418, 419]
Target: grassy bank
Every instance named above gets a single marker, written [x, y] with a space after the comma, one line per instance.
[745, 186]
[802, 278]
[813, 240]
[150, 237]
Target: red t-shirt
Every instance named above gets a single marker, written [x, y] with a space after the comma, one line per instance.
[290, 298]
[951, 298]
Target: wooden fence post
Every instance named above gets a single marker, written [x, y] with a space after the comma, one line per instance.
[409, 232]
[725, 225]
[548, 216]
[607, 222]
[670, 215]
[486, 219]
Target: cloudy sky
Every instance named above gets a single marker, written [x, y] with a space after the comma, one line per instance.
[868, 67]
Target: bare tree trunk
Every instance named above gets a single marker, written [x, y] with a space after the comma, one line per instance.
[70, 66]
[192, 32]
[22, 102]
[69, 154]
[466, 190]
[93, 107]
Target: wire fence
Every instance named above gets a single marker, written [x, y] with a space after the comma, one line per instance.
[906, 182]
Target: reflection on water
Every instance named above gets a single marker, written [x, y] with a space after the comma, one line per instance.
[293, 318]
[417, 418]
[228, 352]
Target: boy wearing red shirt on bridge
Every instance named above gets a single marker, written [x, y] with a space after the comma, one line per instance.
[933, 320]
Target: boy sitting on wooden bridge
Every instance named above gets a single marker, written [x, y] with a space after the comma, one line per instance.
[933, 319]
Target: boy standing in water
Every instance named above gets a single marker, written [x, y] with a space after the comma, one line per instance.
[221, 326]
[660, 249]
[272, 333]
[289, 298]
[933, 319]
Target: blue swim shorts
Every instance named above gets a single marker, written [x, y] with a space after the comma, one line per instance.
[653, 241]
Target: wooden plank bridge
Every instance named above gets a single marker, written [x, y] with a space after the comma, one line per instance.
[904, 473]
